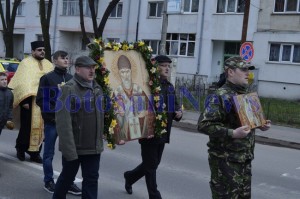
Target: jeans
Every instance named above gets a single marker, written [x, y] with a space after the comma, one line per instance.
[50, 136]
[90, 173]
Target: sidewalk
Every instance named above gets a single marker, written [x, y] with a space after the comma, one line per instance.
[277, 135]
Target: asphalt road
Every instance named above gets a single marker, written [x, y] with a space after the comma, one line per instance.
[182, 174]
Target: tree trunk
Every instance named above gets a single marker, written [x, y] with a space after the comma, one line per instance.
[9, 44]
[106, 14]
[45, 23]
[85, 38]
[8, 23]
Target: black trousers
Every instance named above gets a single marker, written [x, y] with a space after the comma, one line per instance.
[151, 156]
[23, 139]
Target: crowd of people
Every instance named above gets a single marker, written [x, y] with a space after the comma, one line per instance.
[34, 90]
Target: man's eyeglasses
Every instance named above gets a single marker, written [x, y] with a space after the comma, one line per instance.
[165, 65]
[40, 49]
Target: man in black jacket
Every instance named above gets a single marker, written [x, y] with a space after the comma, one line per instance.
[152, 148]
[48, 92]
[6, 103]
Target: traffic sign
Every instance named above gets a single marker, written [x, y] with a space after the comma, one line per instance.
[247, 51]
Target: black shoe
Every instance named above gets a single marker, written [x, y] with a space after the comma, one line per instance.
[128, 186]
[36, 158]
[20, 155]
[74, 190]
[49, 187]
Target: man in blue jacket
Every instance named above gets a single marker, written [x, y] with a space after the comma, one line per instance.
[48, 92]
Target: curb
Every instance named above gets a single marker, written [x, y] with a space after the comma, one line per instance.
[259, 139]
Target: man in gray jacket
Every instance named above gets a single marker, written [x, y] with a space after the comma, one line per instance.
[79, 123]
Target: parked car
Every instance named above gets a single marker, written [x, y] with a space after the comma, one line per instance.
[10, 65]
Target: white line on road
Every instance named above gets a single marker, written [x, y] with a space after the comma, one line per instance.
[33, 165]
[298, 168]
[290, 176]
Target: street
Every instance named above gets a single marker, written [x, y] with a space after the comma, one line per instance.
[182, 174]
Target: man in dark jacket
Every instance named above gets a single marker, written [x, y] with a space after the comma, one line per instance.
[152, 148]
[231, 146]
[80, 125]
[6, 103]
[47, 94]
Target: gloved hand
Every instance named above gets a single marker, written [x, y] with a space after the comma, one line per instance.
[10, 125]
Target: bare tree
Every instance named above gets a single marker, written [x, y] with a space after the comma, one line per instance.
[85, 38]
[98, 31]
[45, 15]
[8, 23]
[106, 14]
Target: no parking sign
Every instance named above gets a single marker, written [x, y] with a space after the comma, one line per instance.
[247, 51]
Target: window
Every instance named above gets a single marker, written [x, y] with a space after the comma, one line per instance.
[191, 5]
[231, 49]
[285, 53]
[39, 38]
[154, 45]
[20, 9]
[180, 44]
[231, 6]
[287, 6]
[117, 11]
[71, 7]
[155, 9]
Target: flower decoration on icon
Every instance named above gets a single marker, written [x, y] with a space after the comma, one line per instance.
[97, 48]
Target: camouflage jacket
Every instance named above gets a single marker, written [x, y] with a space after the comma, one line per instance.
[219, 120]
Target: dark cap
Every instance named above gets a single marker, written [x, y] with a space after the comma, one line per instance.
[37, 44]
[84, 61]
[162, 58]
[123, 62]
[237, 62]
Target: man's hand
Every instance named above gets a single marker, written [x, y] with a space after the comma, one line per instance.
[241, 132]
[10, 125]
[26, 106]
[178, 114]
[266, 126]
[121, 142]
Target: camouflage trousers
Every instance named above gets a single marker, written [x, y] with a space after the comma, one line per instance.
[230, 180]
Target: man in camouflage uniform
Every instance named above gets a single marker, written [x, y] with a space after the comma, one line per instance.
[231, 146]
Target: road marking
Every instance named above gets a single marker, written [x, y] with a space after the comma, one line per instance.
[33, 165]
[290, 176]
[298, 168]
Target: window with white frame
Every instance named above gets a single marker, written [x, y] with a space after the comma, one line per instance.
[20, 9]
[191, 5]
[154, 45]
[180, 44]
[39, 38]
[117, 11]
[155, 9]
[71, 7]
[287, 6]
[284, 53]
[231, 6]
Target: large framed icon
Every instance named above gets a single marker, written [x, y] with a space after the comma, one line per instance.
[129, 82]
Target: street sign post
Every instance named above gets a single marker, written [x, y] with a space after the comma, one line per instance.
[247, 51]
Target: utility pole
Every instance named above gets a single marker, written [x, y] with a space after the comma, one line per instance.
[162, 47]
[245, 21]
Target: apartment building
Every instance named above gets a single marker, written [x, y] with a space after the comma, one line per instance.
[201, 34]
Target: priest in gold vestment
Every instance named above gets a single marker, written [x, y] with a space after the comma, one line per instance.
[25, 85]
